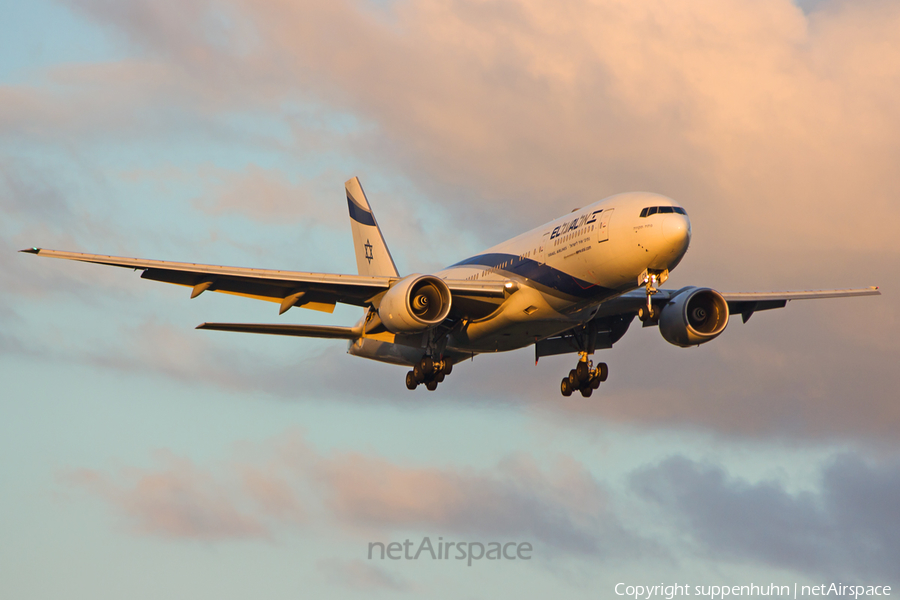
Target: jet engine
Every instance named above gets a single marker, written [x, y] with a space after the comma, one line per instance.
[415, 304]
[693, 316]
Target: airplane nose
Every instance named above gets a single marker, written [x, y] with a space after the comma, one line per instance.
[676, 231]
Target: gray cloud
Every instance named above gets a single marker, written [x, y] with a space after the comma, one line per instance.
[846, 529]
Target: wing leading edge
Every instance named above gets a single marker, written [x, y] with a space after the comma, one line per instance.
[318, 291]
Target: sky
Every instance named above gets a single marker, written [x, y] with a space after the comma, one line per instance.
[144, 459]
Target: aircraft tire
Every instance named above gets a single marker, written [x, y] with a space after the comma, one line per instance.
[602, 371]
[582, 372]
[431, 386]
[574, 383]
[411, 382]
[595, 383]
[587, 391]
[439, 377]
[566, 387]
[428, 364]
[448, 366]
[419, 373]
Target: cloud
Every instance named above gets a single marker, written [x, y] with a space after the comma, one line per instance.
[285, 483]
[177, 501]
[743, 110]
[846, 529]
[565, 510]
[728, 105]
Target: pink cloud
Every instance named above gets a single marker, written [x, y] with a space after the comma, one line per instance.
[727, 105]
[177, 501]
[285, 483]
[272, 493]
[565, 508]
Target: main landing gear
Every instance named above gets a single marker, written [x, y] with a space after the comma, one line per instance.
[584, 378]
[430, 372]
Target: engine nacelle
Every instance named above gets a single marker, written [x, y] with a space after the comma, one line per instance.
[415, 304]
[693, 317]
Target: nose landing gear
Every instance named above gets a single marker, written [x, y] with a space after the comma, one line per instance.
[651, 279]
[430, 372]
[584, 378]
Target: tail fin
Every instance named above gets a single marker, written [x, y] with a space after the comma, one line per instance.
[372, 254]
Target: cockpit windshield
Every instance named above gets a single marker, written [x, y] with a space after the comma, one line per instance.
[652, 210]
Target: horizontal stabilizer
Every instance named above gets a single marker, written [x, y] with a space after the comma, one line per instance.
[313, 331]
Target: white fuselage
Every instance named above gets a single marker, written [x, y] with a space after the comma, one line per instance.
[561, 272]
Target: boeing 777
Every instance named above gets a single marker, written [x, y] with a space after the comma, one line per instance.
[573, 285]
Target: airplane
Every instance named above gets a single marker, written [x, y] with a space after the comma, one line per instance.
[573, 285]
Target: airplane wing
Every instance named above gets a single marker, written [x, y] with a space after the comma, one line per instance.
[614, 316]
[743, 303]
[318, 291]
[746, 303]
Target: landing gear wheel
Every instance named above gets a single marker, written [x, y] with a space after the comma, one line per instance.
[602, 371]
[582, 372]
[587, 391]
[428, 364]
[448, 366]
[565, 387]
[574, 382]
[647, 315]
[595, 383]
[419, 373]
[439, 377]
[411, 382]
[431, 386]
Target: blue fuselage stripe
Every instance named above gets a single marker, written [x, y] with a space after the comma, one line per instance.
[537, 272]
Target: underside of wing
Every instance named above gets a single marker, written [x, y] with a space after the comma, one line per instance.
[318, 291]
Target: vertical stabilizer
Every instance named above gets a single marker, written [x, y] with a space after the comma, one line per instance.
[372, 254]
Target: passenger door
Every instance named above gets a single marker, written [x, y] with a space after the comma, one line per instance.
[603, 225]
